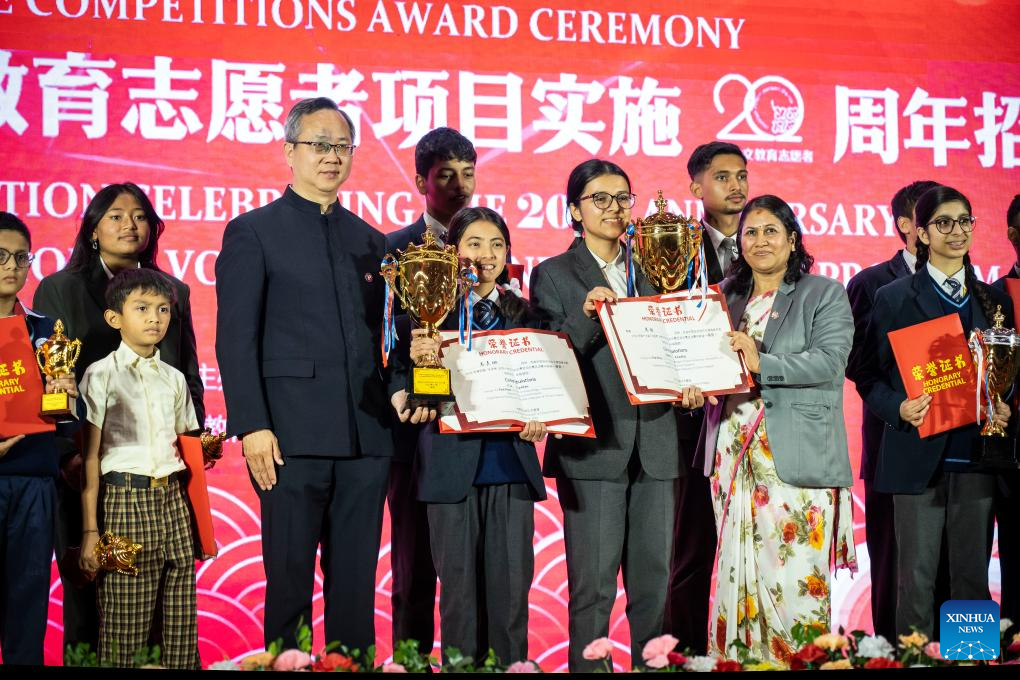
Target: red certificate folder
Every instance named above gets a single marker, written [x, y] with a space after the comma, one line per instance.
[933, 358]
[198, 493]
[21, 385]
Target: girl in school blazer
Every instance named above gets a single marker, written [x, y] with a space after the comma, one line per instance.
[480, 489]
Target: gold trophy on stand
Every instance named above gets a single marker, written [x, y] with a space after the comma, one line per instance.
[666, 245]
[56, 357]
[996, 354]
[425, 278]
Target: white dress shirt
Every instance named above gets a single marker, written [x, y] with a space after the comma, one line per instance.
[141, 405]
[615, 271]
[108, 272]
[940, 279]
[435, 226]
[910, 259]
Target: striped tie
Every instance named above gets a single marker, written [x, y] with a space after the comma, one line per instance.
[487, 315]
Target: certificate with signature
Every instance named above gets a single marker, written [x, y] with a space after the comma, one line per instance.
[511, 377]
[664, 343]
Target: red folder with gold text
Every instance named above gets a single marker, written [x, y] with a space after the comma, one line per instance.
[21, 385]
[198, 493]
[933, 358]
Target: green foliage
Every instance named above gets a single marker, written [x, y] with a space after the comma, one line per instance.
[407, 655]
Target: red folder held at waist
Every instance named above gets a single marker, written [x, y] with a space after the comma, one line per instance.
[21, 385]
[933, 358]
[198, 493]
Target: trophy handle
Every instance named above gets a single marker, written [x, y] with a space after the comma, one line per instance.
[389, 270]
[76, 348]
[39, 353]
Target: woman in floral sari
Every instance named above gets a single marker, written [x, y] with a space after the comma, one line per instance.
[777, 455]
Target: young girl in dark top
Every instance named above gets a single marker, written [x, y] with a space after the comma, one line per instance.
[481, 488]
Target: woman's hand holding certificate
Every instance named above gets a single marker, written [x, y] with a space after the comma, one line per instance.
[515, 380]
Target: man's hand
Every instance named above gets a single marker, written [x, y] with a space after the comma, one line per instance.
[914, 410]
[421, 414]
[7, 444]
[693, 397]
[261, 449]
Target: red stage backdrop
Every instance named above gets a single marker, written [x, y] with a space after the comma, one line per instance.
[836, 106]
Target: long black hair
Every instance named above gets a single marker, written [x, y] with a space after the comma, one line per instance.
[578, 180]
[515, 309]
[84, 256]
[925, 208]
[800, 261]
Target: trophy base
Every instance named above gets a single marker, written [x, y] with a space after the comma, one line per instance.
[430, 385]
[995, 453]
[58, 404]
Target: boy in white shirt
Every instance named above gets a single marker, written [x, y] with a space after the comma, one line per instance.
[137, 405]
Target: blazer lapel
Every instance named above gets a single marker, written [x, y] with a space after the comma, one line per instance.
[926, 297]
[898, 266]
[780, 308]
[96, 282]
[587, 268]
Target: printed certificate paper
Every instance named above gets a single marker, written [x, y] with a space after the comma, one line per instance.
[511, 377]
[664, 343]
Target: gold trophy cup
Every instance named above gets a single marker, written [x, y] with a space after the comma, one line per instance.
[425, 279]
[998, 351]
[666, 244]
[56, 357]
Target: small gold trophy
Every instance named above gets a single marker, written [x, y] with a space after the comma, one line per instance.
[56, 357]
[666, 244]
[212, 447]
[996, 354]
[117, 553]
[425, 279]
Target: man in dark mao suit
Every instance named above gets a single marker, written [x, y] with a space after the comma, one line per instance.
[298, 343]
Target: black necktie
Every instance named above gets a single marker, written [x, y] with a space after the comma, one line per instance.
[487, 315]
[954, 289]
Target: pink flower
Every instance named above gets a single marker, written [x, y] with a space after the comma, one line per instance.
[656, 651]
[523, 667]
[393, 668]
[598, 649]
[761, 495]
[292, 660]
[933, 650]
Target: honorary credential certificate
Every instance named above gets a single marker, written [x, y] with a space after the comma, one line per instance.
[512, 377]
[664, 343]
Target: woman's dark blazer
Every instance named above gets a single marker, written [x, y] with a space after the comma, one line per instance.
[906, 461]
[446, 464]
[78, 298]
[559, 286]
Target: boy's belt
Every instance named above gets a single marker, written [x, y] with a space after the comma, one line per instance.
[133, 481]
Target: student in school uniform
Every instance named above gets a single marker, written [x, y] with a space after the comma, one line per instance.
[480, 489]
[137, 406]
[937, 489]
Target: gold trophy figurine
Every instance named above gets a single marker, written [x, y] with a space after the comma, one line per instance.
[666, 244]
[425, 280]
[117, 553]
[996, 353]
[56, 357]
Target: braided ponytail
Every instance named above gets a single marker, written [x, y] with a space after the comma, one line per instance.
[978, 288]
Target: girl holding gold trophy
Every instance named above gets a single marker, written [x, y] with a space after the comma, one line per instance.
[480, 488]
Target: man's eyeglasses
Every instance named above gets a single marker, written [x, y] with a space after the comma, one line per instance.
[604, 199]
[21, 258]
[945, 225]
[323, 148]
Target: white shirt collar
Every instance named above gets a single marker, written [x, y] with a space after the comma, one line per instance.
[434, 225]
[128, 357]
[910, 259]
[940, 278]
[109, 274]
[493, 295]
[714, 235]
[620, 260]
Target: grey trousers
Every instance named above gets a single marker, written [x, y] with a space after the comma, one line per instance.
[961, 505]
[608, 525]
[482, 549]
